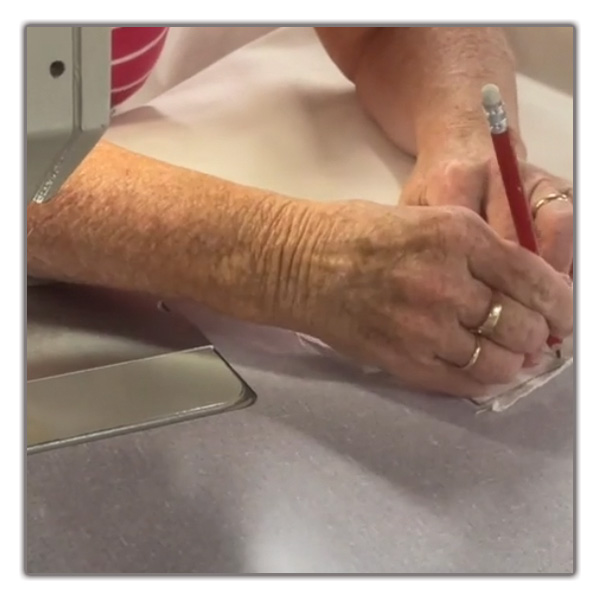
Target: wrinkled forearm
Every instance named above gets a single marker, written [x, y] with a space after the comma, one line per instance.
[423, 84]
[126, 221]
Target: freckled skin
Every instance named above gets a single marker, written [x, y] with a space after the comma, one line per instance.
[407, 319]
[399, 288]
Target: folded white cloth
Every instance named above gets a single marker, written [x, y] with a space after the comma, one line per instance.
[499, 397]
[502, 397]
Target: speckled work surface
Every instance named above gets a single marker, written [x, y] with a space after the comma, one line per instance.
[327, 472]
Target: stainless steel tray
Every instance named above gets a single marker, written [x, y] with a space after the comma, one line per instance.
[102, 363]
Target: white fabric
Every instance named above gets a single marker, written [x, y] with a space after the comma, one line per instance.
[499, 397]
[503, 397]
[277, 114]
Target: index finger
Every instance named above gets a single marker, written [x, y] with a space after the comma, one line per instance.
[527, 278]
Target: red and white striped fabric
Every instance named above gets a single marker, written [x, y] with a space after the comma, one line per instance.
[135, 51]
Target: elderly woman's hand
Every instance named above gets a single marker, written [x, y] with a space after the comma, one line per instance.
[470, 177]
[405, 289]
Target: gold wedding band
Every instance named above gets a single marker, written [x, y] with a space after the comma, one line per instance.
[474, 357]
[559, 196]
[487, 327]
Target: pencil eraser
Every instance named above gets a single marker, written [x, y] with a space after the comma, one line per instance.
[490, 95]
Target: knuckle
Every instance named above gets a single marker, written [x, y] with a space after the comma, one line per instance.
[446, 295]
[465, 216]
[535, 333]
[460, 225]
[548, 298]
[559, 313]
[556, 225]
[469, 225]
[545, 287]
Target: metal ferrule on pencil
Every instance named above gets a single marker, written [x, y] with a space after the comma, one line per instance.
[497, 119]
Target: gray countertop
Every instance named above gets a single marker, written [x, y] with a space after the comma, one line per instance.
[330, 471]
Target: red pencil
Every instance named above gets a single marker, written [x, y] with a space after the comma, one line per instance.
[511, 177]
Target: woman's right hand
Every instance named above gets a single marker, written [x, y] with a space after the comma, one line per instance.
[405, 288]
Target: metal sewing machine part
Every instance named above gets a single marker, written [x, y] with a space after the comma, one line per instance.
[99, 363]
[494, 108]
[68, 102]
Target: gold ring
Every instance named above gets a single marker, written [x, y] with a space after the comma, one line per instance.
[560, 196]
[474, 357]
[491, 321]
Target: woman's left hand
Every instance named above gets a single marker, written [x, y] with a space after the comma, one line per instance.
[471, 178]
